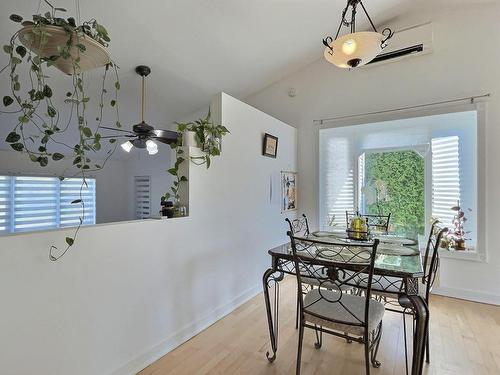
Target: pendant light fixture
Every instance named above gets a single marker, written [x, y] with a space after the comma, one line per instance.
[356, 48]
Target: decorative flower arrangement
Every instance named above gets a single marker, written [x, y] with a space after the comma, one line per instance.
[455, 239]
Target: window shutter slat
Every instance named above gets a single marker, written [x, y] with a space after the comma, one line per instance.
[71, 213]
[5, 203]
[28, 192]
[37, 203]
[142, 197]
[445, 177]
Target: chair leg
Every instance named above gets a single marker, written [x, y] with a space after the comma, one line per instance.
[299, 350]
[367, 355]
[319, 338]
[375, 345]
[427, 348]
[297, 312]
[406, 344]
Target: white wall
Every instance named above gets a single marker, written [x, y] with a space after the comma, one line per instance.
[111, 197]
[129, 292]
[465, 62]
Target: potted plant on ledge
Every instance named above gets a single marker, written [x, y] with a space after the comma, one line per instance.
[207, 137]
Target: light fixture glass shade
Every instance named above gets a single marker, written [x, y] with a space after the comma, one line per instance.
[127, 146]
[353, 50]
[151, 147]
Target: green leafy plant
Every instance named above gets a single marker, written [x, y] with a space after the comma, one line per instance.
[397, 178]
[41, 118]
[208, 137]
[174, 171]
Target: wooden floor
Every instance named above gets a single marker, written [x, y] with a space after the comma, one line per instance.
[465, 340]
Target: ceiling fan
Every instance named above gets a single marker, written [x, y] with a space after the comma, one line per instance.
[144, 135]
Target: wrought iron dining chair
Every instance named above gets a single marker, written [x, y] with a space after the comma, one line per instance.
[328, 310]
[300, 227]
[389, 290]
[379, 222]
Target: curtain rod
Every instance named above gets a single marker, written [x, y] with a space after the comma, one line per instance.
[468, 98]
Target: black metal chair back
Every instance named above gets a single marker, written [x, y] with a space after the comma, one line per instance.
[299, 226]
[334, 266]
[379, 222]
[431, 256]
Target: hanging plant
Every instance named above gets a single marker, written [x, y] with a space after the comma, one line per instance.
[43, 116]
[208, 137]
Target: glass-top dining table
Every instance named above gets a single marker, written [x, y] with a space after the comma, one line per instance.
[405, 265]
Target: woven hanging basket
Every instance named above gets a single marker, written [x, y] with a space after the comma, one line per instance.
[94, 56]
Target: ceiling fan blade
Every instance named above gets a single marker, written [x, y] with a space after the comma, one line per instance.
[118, 130]
[119, 136]
[165, 136]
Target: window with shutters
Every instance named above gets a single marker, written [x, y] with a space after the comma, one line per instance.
[142, 197]
[29, 203]
[423, 165]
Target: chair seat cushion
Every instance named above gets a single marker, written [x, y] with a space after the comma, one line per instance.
[318, 310]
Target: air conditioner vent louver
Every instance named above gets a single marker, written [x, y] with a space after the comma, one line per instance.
[398, 53]
[411, 41]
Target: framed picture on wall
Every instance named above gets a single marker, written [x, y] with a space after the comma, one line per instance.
[270, 147]
[288, 191]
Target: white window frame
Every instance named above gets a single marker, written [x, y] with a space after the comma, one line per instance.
[480, 106]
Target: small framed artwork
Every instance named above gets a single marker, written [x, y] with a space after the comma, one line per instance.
[288, 191]
[270, 147]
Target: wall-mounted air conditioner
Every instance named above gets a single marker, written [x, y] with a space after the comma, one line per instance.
[410, 41]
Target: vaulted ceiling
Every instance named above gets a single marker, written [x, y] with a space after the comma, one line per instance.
[197, 48]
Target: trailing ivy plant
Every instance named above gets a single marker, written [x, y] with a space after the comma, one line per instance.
[40, 119]
[208, 137]
[174, 192]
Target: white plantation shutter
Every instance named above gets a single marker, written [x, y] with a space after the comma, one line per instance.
[142, 197]
[5, 203]
[445, 177]
[361, 182]
[337, 178]
[71, 190]
[37, 203]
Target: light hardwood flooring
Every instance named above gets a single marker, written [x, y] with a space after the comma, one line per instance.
[465, 340]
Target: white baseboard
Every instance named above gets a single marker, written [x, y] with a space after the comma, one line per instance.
[185, 333]
[467, 294]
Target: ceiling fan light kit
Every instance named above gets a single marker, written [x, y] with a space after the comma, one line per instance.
[143, 135]
[356, 48]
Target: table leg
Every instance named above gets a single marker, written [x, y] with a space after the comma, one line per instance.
[272, 276]
[421, 312]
